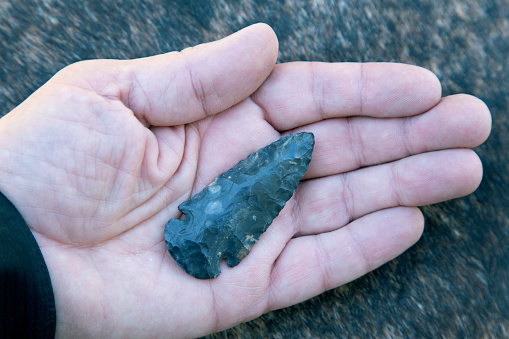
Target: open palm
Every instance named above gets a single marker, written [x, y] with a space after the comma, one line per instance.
[98, 159]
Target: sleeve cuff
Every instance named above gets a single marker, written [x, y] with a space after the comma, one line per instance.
[27, 302]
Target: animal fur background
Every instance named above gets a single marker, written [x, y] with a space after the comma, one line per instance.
[454, 281]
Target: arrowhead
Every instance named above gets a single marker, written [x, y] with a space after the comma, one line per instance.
[228, 217]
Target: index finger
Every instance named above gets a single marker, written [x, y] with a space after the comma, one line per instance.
[301, 93]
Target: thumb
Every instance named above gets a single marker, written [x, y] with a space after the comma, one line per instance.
[182, 87]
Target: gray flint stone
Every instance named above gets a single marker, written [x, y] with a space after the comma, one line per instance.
[228, 217]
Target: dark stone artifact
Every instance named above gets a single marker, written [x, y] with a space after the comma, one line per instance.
[228, 217]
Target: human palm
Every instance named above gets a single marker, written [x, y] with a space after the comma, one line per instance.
[101, 156]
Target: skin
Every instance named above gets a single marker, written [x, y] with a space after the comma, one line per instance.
[98, 159]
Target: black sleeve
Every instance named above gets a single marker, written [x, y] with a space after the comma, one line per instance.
[27, 304]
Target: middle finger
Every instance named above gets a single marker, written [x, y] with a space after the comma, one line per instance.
[346, 144]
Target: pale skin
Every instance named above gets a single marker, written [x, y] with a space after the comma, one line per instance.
[98, 159]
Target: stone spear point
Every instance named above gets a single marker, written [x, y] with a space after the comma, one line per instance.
[228, 217]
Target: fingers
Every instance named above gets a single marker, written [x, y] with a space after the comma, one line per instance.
[325, 204]
[311, 265]
[296, 94]
[347, 144]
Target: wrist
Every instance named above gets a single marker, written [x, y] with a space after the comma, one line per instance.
[7, 158]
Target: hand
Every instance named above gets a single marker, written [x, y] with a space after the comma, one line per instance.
[98, 159]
